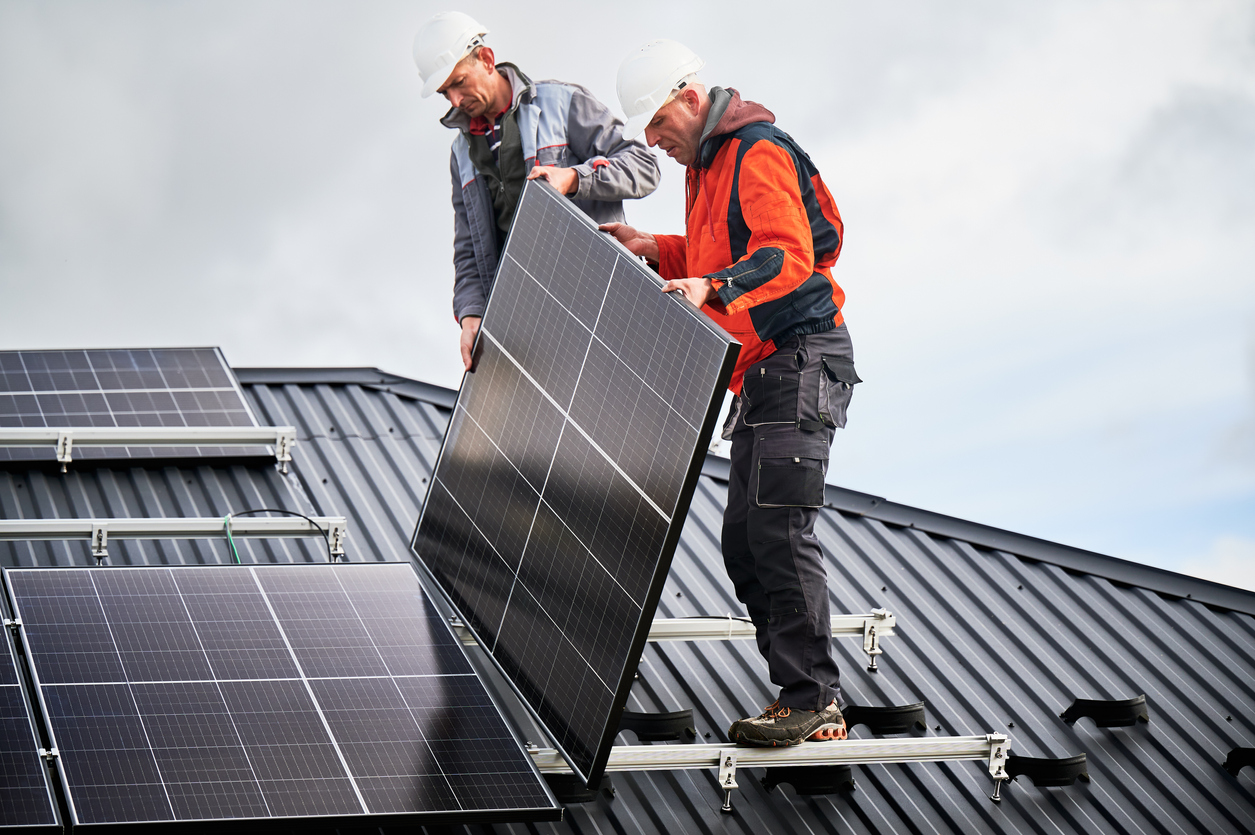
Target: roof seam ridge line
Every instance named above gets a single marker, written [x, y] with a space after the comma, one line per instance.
[578, 428]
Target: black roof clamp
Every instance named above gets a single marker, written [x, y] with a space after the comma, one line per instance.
[887, 719]
[1238, 759]
[1108, 713]
[1049, 771]
[660, 727]
[808, 780]
[568, 788]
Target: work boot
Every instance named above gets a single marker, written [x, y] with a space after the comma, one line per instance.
[782, 726]
[735, 730]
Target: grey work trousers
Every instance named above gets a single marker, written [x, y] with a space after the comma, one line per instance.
[781, 427]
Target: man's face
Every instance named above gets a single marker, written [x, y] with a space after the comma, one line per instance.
[472, 84]
[677, 128]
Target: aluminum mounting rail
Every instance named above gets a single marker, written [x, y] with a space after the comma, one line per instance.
[281, 438]
[871, 628]
[991, 749]
[99, 531]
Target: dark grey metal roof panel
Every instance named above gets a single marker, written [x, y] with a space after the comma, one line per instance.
[990, 632]
[1122, 571]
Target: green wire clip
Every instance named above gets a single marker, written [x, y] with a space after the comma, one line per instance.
[226, 521]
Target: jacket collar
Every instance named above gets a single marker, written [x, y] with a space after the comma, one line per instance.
[522, 87]
[728, 114]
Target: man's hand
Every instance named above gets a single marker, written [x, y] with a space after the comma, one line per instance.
[699, 291]
[636, 241]
[470, 329]
[565, 180]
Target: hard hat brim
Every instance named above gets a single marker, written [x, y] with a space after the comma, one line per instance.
[431, 85]
[635, 125]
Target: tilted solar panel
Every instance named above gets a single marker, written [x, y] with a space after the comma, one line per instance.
[265, 693]
[26, 799]
[125, 388]
[568, 468]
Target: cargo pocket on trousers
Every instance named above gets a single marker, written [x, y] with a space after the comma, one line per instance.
[770, 396]
[836, 387]
[790, 482]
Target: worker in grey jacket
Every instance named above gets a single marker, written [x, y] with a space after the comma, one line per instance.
[510, 130]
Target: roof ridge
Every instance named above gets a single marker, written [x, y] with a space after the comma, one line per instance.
[365, 376]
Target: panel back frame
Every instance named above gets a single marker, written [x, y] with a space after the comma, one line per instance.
[11, 645]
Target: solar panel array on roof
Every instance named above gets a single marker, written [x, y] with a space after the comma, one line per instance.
[265, 692]
[25, 795]
[125, 388]
[567, 470]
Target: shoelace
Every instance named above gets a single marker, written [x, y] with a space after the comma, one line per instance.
[775, 711]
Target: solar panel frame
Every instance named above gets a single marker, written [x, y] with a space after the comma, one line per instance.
[20, 746]
[589, 764]
[296, 694]
[124, 387]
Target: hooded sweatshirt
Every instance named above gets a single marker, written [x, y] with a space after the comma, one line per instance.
[761, 225]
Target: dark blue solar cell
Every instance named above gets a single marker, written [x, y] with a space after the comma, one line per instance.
[253, 692]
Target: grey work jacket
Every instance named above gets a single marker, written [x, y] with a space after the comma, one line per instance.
[562, 125]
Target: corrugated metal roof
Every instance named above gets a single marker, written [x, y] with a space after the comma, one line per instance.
[996, 631]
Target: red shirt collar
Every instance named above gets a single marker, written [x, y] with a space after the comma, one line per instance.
[481, 125]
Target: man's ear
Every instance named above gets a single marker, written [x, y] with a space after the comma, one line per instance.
[692, 101]
[487, 58]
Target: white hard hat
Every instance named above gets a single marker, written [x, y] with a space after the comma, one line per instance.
[647, 77]
[443, 41]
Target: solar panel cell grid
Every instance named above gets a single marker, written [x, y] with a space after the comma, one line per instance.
[568, 461]
[124, 388]
[263, 692]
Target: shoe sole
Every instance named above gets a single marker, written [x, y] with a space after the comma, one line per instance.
[825, 733]
[829, 733]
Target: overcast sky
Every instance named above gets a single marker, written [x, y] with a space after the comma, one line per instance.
[1049, 208]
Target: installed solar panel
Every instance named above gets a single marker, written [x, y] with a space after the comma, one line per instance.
[129, 388]
[568, 467]
[265, 693]
[25, 795]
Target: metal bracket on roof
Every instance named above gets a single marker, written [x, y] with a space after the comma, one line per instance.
[999, 750]
[336, 532]
[727, 777]
[100, 541]
[871, 635]
[14, 625]
[284, 441]
[65, 448]
[49, 754]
